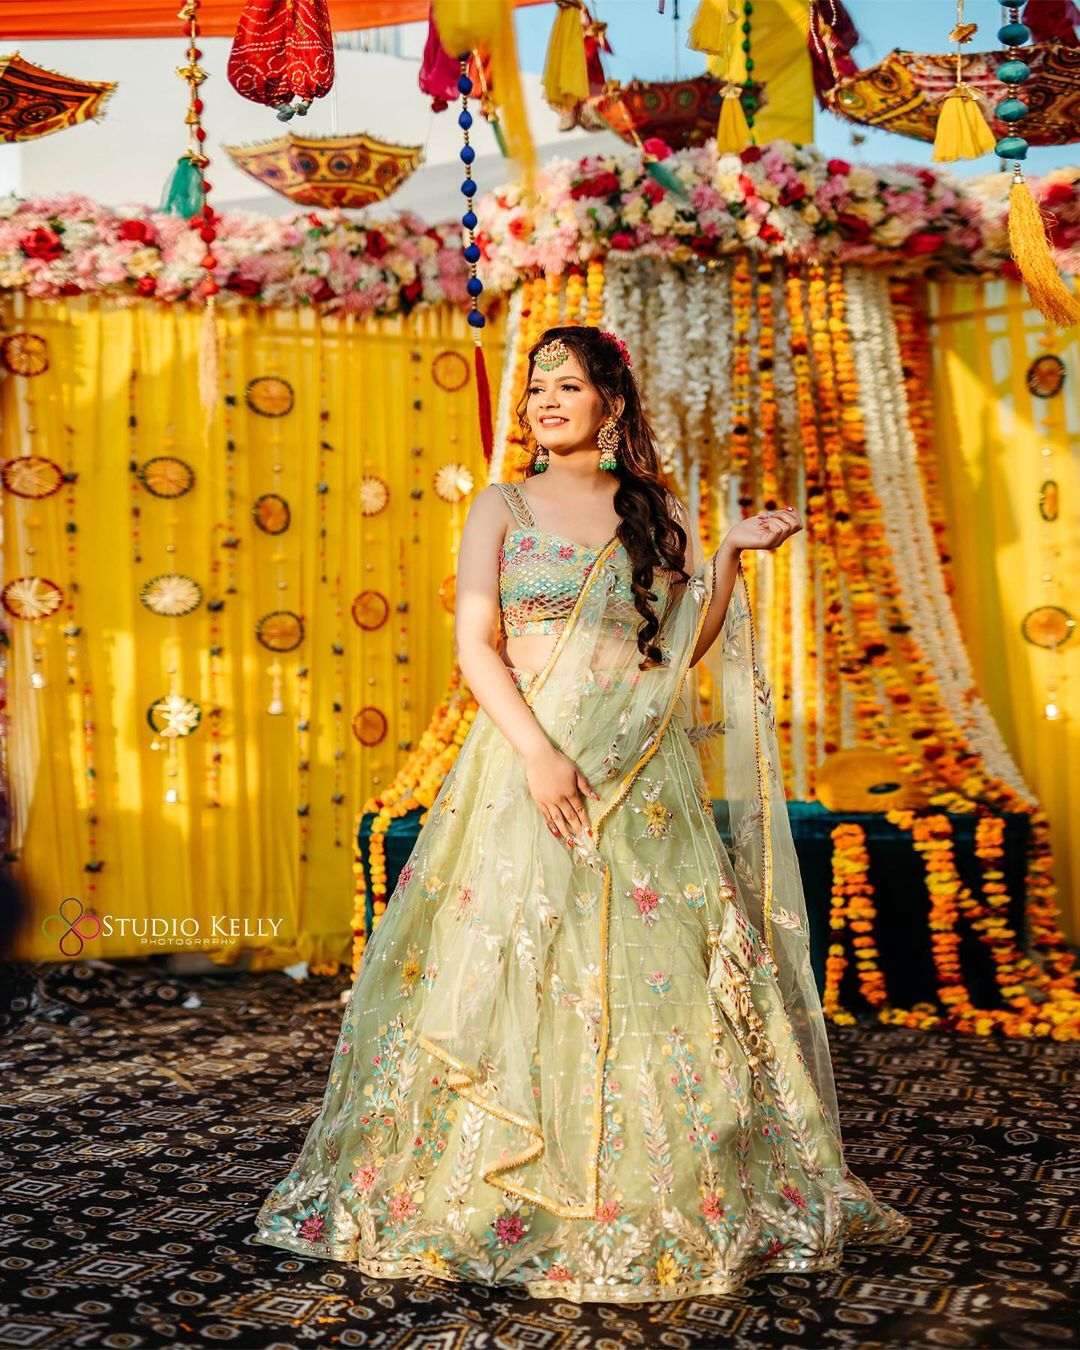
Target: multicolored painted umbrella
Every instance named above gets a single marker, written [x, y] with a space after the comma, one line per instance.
[904, 92]
[678, 112]
[36, 102]
[329, 171]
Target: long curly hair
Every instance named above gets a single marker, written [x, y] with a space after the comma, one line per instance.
[650, 533]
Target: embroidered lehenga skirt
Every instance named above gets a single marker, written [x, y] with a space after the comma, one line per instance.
[573, 1070]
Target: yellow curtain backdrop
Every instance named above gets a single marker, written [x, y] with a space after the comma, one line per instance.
[255, 852]
[998, 444]
[778, 36]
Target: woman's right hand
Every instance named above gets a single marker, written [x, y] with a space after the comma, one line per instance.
[556, 784]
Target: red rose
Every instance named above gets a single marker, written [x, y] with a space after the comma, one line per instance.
[146, 285]
[519, 227]
[770, 233]
[138, 231]
[926, 178]
[659, 149]
[1058, 194]
[622, 242]
[922, 242]
[412, 292]
[793, 193]
[42, 243]
[71, 288]
[322, 292]
[839, 166]
[601, 185]
[377, 245]
[855, 226]
[243, 285]
[746, 186]
[751, 154]
[653, 190]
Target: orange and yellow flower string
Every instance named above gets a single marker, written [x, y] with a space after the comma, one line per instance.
[416, 784]
[742, 301]
[851, 912]
[942, 745]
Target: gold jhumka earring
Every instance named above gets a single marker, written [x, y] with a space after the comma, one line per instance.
[607, 438]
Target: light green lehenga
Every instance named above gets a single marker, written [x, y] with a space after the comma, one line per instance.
[597, 1074]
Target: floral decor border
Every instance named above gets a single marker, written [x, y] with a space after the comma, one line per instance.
[780, 198]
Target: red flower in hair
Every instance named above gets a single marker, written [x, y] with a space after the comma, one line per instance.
[623, 349]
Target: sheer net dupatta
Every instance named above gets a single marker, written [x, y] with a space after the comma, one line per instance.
[728, 713]
[516, 1055]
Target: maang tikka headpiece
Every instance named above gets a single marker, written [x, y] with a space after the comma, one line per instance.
[552, 354]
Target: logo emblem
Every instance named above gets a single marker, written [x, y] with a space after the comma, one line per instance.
[77, 923]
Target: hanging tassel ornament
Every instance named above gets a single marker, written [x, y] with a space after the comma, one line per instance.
[962, 131]
[710, 26]
[566, 75]
[1027, 233]
[183, 194]
[203, 218]
[713, 31]
[733, 131]
[474, 285]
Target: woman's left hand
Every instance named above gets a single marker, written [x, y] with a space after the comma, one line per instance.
[769, 529]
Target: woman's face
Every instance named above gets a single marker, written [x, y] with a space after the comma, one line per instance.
[564, 410]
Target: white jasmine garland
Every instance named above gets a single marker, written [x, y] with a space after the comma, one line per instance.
[898, 483]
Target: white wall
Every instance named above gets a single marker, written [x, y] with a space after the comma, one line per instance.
[127, 156]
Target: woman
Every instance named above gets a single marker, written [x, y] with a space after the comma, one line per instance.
[584, 1053]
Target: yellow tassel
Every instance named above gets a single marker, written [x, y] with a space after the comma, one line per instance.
[962, 130]
[566, 77]
[1031, 252]
[711, 28]
[733, 132]
[209, 362]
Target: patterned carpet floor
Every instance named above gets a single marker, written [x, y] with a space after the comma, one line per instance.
[144, 1116]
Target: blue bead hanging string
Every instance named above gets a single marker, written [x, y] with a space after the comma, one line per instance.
[474, 285]
[1013, 71]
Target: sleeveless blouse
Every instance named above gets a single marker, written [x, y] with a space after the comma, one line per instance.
[540, 576]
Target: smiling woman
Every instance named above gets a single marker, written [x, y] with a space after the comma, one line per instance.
[584, 1054]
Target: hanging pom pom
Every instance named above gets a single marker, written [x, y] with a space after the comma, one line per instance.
[209, 360]
[962, 129]
[1031, 252]
[566, 76]
[733, 132]
[483, 399]
[711, 26]
[183, 195]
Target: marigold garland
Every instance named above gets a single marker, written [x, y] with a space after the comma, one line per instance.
[852, 911]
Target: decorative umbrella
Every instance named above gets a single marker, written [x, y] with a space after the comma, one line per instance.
[905, 90]
[329, 171]
[678, 112]
[36, 102]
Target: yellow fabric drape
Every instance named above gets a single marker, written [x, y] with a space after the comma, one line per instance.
[990, 432]
[778, 47]
[242, 860]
